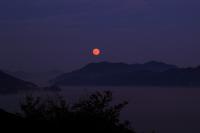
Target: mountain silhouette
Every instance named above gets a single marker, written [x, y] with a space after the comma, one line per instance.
[11, 84]
[122, 67]
[120, 74]
[40, 78]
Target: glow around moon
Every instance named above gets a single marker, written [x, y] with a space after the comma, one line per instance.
[96, 51]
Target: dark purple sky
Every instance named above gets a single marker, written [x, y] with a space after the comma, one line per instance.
[59, 34]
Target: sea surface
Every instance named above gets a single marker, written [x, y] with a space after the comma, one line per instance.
[163, 109]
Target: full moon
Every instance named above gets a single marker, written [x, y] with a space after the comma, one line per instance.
[96, 52]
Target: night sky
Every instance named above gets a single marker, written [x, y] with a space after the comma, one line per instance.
[38, 35]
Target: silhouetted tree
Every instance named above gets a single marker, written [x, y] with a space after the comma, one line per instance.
[48, 109]
[93, 114]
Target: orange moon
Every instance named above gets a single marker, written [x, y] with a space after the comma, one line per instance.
[96, 52]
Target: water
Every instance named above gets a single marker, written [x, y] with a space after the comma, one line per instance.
[167, 110]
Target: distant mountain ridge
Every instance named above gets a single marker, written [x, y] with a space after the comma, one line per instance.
[107, 66]
[11, 84]
[40, 78]
[152, 73]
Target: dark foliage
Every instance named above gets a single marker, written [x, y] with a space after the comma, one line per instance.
[94, 114]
